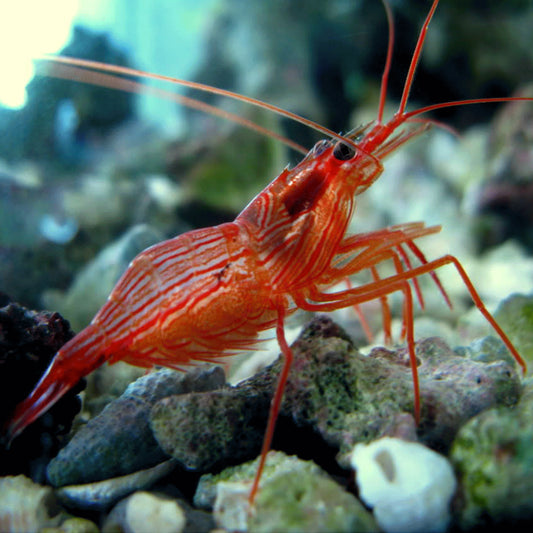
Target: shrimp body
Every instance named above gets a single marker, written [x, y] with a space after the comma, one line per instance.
[209, 292]
[181, 300]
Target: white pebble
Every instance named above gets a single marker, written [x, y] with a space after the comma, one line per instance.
[408, 485]
[232, 506]
[147, 512]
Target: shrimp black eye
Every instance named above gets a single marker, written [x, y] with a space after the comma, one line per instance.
[343, 151]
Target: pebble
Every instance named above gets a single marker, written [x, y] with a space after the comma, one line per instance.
[409, 486]
[101, 495]
[26, 506]
[145, 510]
[294, 495]
[119, 440]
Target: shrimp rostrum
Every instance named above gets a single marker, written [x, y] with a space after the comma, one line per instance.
[210, 292]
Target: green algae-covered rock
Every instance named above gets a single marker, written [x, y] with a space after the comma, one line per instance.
[515, 316]
[301, 499]
[294, 495]
[202, 430]
[334, 398]
[493, 456]
[349, 398]
[206, 492]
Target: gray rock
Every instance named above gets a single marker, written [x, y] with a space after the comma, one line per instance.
[101, 495]
[119, 440]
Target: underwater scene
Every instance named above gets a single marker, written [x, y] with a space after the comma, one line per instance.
[180, 269]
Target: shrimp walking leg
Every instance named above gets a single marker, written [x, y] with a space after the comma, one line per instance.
[382, 245]
[276, 400]
[323, 301]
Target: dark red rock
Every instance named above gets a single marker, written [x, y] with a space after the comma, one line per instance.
[28, 342]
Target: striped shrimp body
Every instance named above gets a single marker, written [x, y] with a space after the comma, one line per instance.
[163, 312]
[210, 292]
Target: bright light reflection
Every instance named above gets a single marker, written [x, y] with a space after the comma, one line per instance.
[29, 28]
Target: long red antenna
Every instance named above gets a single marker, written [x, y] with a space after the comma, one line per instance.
[388, 62]
[472, 101]
[92, 67]
[415, 59]
[87, 72]
[65, 68]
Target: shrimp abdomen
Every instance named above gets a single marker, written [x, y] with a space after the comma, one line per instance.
[195, 297]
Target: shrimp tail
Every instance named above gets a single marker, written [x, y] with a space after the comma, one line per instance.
[77, 358]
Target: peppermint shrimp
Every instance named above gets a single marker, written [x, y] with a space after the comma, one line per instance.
[208, 293]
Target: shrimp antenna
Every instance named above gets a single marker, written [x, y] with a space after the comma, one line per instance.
[87, 71]
[388, 62]
[410, 77]
[67, 70]
[457, 103]
[415, 59]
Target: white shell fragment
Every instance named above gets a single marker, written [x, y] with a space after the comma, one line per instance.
[26, 506]
[408, 485]
[145, 511]
[232, 506]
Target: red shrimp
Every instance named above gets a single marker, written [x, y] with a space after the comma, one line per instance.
[208, 293]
